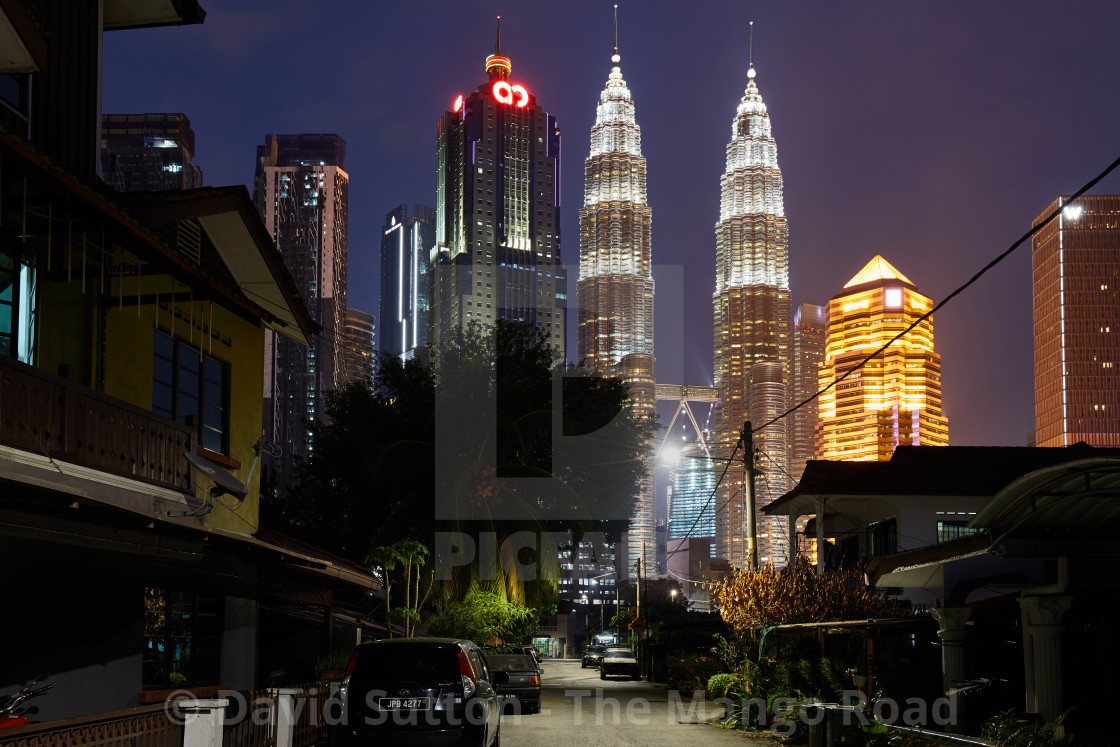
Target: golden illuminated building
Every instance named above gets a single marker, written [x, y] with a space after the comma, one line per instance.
[752, 308]
[1075, 261]
[896, 397]
[615, 287]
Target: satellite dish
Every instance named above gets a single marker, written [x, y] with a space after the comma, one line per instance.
[224, 482]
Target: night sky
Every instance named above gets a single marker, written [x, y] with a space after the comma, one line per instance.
[930, 133]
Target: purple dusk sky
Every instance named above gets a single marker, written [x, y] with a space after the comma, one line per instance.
[929, 132]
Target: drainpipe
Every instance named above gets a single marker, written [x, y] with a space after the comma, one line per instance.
[1058, 587]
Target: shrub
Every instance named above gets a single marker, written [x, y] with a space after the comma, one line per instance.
[719, 684]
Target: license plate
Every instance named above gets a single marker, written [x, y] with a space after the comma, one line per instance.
[408, 704]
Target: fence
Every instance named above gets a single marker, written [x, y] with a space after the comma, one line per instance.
[286, 717]
[149, 726]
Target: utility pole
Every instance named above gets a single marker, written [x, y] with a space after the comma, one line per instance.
[747, 439]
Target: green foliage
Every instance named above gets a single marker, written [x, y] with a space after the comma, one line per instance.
[1007, 730]
[336, 661]
[719, 684]
[483, 616]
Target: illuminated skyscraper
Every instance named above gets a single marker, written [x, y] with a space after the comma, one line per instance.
[301, 189]
[691, 482]
[767, 402]
[1075, 262]
[895, 398]
[359, 345]
[498, 211]
[810, 323]
[751, 299]
[615, 288]
[406, 251]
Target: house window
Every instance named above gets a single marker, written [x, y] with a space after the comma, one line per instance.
[17, 307]
[951, 530]
[187, 383]
[182, 635]
[882, 537]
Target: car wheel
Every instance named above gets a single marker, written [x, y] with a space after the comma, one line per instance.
[534, 707]
[602, 675]
[583, 665]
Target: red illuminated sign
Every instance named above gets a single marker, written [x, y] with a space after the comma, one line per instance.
[505, 93]
[458, 103]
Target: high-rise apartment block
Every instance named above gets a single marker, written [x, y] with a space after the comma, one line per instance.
[895, 398]
[615, 288]
[301, 190]
[810, 323]
[1075, 262]
[407, 241]
[751, 299]
[360, 343]
[148, 152]
[498, 211]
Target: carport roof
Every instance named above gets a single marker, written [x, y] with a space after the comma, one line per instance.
[1070, 509]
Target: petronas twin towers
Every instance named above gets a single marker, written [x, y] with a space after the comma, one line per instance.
[751, 299]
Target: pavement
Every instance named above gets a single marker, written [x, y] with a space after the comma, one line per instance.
[579, 708]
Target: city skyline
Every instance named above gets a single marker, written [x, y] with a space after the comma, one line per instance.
[913, 131]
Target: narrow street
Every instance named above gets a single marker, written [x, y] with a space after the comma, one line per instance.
[579, 708]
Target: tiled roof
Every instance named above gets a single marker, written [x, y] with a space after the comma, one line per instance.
[934, 470]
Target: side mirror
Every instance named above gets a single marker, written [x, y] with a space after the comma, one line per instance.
[499, 678]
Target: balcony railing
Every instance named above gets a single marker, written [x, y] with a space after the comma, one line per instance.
[51, 415]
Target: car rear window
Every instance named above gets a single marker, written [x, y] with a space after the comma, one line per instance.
[619, 654]
[510, 662]
[403, 661]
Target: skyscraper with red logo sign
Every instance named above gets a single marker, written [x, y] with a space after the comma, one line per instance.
[497, 253]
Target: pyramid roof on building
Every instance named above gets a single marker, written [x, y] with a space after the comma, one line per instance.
[875, 270]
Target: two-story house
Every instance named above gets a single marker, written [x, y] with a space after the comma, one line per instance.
[132, 334]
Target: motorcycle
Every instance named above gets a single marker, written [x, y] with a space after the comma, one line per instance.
[11, 714]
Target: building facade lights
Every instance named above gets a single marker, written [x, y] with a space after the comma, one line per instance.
[1075, 266]
[751, 303]
[615, 287]
[896, 397]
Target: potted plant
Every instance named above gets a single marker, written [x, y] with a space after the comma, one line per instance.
[332, 666]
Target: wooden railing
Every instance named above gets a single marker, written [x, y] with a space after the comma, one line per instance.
[149, 726]
[50, 415]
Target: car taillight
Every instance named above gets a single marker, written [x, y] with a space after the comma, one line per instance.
[534, 679]
[353, 660]
[466, 674]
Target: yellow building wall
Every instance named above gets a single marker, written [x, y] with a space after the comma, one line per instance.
[223, 335]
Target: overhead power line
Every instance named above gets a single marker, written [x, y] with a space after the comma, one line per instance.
[1057, 211]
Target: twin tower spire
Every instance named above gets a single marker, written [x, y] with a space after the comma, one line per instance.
[615, 289]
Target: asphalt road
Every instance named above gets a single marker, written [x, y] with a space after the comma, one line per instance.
[578, 708]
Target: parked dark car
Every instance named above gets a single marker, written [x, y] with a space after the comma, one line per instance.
[434, 690]
[532, 651]
[618, 661]
[592, 655]
[524, 684]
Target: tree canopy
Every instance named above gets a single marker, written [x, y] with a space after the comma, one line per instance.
[458, 444]
[751, 600]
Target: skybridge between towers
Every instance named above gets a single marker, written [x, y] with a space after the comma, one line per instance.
[684, 394]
